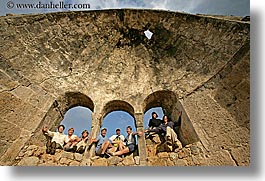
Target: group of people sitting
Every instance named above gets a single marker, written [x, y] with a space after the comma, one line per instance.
[165, 128]
[116, 145]
[69, 142]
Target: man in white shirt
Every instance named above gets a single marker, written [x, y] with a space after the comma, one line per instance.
[56, 141]
[71, 141]
[116, 139]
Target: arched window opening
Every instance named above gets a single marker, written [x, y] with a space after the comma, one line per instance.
[156, 141]
[60, 110]
[117, 114]
[118, 119]
[175, 112]
[73, 99]
[165, 99]
[79, 118]
[118, 105]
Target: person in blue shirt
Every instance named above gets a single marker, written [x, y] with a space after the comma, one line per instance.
[102, 143]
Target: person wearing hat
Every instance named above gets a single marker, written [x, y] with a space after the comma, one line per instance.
[154, 122]
[102, 143]
[116, 139]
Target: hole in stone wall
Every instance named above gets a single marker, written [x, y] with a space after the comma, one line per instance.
[79, 117]
[148, 34]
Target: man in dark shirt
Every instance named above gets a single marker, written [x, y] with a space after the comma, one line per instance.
[154, 122]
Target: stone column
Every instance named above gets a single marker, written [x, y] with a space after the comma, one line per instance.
[95, 128]
[141, 139]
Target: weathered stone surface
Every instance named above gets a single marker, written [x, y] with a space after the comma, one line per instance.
[31, 150]
[74, 163]
[194, 150]
[240, 154]
[100, 162]
[12, 152]
[199, 65]
[190, 161]
[120, 164]
[161, 159]
[58, 156]
[155, 161]
[163, 148]
[153, 139]
[198, 160]
[114, 160]
[173, 156]
[151, 150]
[49, 164]
[78, 156]
[169, 162]
[180, 162]
[163, 155]
[7, 136]
[67, 155]
[40, 151]
[32, 147]
[29, 153]
[220, 158]
[65, 161]
[85, 162]
[184, 153]
[94, 158]
[137, 160]
[128, 160]
[46, 157]
[29, 161]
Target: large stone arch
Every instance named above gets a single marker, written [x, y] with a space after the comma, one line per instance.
[73, 99]
[171, 106]
[56, 112]
[116, 105]
[162, 98]
[113, 105]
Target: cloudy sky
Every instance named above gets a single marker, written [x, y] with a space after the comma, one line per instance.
[222, 7]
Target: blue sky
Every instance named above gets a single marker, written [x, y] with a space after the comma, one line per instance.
[80, 119]
[222, 7]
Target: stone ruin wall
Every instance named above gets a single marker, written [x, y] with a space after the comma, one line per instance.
[101, 60]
